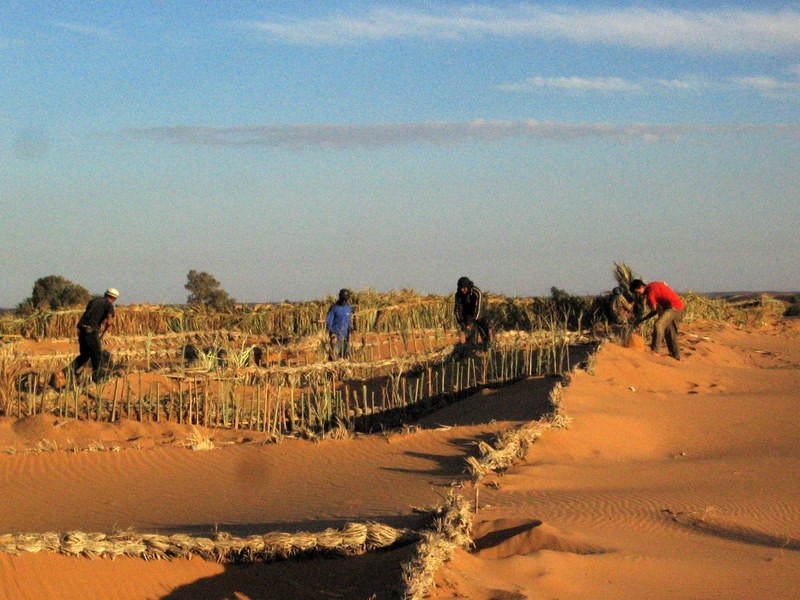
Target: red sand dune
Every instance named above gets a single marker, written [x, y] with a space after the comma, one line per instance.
[673, 480]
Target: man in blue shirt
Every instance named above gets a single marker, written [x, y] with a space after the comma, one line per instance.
[338, 324]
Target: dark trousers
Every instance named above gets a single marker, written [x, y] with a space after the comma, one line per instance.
[666, 329]
[479, 328]
[90, 350]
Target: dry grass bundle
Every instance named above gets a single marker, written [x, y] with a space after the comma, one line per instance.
[556, 395]
[12, 365]
[339, 431]
[198, 441]
[559, 421]
[539, 339]
[452, 528]
[279, 544]
[509, 446]
[353, 538]
[346, 369]
[383, 536]
[418, 574]
[623, 274]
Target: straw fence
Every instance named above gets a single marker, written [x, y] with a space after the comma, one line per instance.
[450, 527]
[352, 539]
[297, 390]
[373, 312]
[318, 398]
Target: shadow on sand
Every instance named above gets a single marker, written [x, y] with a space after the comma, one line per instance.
[373, 576]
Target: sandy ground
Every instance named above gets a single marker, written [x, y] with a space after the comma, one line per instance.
[673, 480]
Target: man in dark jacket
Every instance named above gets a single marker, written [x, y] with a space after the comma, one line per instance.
[469, 313]
[97, 319]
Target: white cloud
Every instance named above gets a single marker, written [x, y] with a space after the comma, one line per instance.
[686, 83]
[604, 84]
[770, 86]
[720, 30]
[85, 30]
[575, 84]
[766, 85]
[436, 133]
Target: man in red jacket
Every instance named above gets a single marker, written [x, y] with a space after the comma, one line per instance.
[665, 303]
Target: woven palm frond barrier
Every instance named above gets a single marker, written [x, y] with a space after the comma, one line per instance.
[452, 529]
[352, 539]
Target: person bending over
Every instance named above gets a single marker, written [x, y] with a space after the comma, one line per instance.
[469, 313]
[664, 302]
[97, 319]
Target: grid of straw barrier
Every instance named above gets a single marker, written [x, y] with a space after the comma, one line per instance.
[450, 528]
[438, 544]
[372, 312]
[378, 312]
[317, 398]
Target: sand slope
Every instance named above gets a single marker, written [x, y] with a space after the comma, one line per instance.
[673, 480]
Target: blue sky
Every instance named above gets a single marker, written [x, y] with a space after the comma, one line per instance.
[293, 148]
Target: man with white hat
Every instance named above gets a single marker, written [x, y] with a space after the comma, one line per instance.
[97, 319]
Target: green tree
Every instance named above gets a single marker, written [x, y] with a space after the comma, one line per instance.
[560, 296]
[205, 291]
[54, 293]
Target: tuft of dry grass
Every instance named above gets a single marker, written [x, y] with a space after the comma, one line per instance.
[451, 529]
[198, 441]
[557, 395]
[339, 431]
[559, 421]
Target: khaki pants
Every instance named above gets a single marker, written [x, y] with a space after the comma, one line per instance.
[666, 328]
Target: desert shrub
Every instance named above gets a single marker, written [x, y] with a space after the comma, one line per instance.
[206, 292]
[793, 310]
[54, 293]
